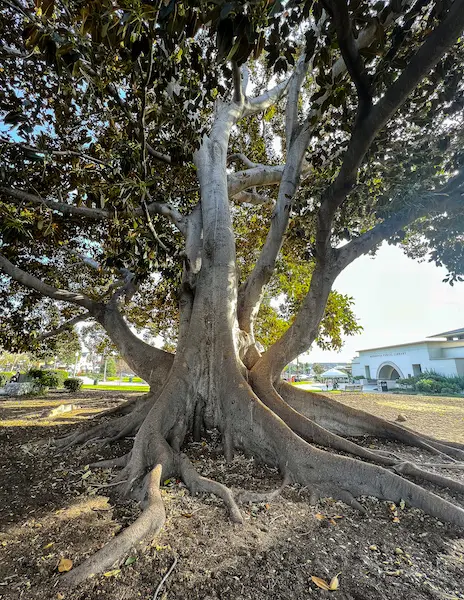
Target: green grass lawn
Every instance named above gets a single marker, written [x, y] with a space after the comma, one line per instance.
[119, 388]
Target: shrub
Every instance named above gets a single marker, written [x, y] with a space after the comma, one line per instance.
[450, 390]
[73, 384]
[44, 379]
[429, 386]
[61, 375]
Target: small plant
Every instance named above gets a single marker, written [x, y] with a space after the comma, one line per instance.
[73, 384]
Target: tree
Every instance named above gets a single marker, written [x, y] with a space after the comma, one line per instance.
[108, 367]
[122, 178]
[318, 369]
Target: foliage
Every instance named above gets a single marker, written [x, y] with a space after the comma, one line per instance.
[318, 369]
[45, 379]
[79, 85]
[73, 384]
[434, 383]
[110, 367]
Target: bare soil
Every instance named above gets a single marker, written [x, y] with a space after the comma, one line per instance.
[53, 506]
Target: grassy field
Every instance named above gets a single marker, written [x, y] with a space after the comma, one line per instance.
[118, 388]
[439, 416]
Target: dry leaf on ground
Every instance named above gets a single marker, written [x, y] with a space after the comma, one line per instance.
[64, 565]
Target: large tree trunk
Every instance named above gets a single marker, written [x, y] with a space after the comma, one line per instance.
[209, 387]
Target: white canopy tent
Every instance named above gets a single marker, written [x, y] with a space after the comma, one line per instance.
[334, 374]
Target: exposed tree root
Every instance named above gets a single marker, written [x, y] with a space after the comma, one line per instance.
[312, 432]
[344, 420]
[108, 432]
[112, 463]
[338, 476]
[196, 483]
[274, 433]
[148, 524]
[247, 497]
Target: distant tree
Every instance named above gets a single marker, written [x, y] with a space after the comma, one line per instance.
[110, 369]
[318, 369]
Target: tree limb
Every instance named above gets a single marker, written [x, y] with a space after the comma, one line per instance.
[349, 49]
[94, 214]
[291, 111]
[43, 288]
[434, 202]
[52, 152]
[65, 327]
[259, 176]
[19, 196]
[261, 103]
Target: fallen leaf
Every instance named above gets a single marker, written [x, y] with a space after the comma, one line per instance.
[48, 545]
[320, 582]
[332, 521]
[64, 565]
[187, 515]
[112, 573]
[334, 582]
[59, 596]
[402, 504]
[86, 474]
[373, 547]
[130, 561]
[395, 520]
[319, 516]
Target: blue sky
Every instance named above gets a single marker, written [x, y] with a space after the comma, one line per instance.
[397, 300]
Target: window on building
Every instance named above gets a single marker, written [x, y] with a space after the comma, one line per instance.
[367, 370]
[416, 369]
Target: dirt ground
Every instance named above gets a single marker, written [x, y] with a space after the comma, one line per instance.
[52, 506]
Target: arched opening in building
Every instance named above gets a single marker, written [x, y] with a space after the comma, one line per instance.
[389, 371]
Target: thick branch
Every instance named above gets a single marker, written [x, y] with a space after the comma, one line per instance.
[428, 55]
[266, 100]
[363, 244]
[350, 53]
[43, 288]
[259, 176]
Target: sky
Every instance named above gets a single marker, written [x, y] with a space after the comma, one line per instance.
[396, 300]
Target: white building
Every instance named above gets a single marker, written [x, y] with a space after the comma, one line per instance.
[442, 353]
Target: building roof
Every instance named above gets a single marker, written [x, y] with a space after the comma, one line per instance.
[399, 345]
[454, 332]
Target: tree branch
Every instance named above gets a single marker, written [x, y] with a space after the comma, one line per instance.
[239, 156]
[95, 214]
[349, 49]
[19, 196]
[65, 327]
[51, 152]
[237, 83]
[259, 176]
[263, 102]
[434, 202]
[43, 288]
[291, 111]
[428, 55]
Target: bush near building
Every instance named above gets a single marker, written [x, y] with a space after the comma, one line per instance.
[431, 382]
